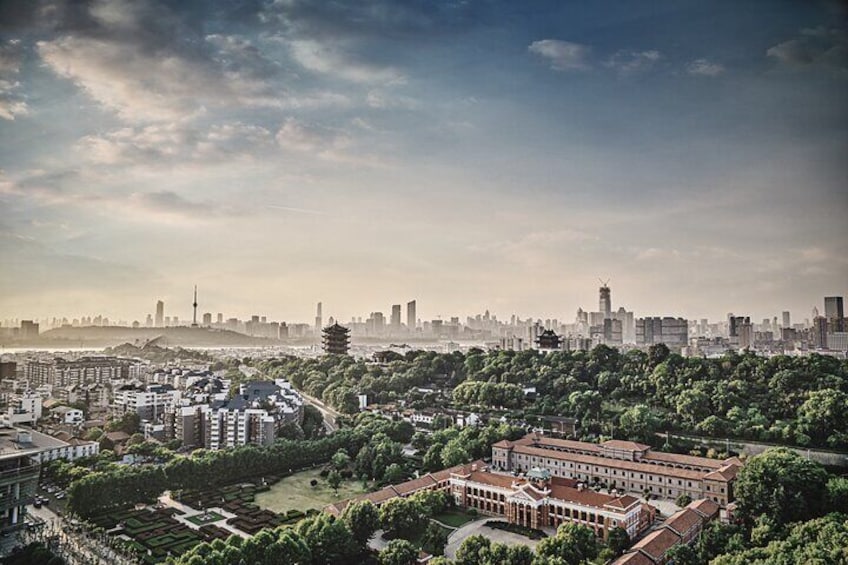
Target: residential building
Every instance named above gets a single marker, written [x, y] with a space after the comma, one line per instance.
[149, 402]
[18, 477]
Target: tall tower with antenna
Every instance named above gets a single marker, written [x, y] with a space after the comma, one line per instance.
[194, 305]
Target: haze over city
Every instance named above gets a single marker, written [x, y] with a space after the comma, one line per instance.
[473, 156]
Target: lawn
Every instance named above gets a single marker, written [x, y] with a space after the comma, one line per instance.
[453, 518]
[295, 493]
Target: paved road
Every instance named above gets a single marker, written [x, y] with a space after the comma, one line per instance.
[478, 527]
[329, 414]
[79, 549]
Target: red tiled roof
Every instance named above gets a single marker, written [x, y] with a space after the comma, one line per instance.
[612, 463]
[655, 544]
[684, 521]
[726, 473]
[634, 558]
[625, 445]
[705, 507]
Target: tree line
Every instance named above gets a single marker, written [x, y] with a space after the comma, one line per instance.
[790, 400]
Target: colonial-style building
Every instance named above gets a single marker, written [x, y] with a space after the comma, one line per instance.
[622, 465]
[539, 500]
[683, 527]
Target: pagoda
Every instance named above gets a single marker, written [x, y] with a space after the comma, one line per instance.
[548, 341]
[336, 340]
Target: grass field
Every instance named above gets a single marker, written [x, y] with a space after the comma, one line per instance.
[295, 493]
[454, 518]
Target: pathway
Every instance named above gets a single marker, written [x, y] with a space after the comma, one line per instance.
[188, 511]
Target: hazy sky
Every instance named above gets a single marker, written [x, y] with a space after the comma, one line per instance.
[470, 154]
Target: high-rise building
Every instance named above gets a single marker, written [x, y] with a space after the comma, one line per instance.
[29, 329]
[835, 313]
[207, 319]
[220, 318]
[319, 319]
[395, 316]
[787, 323]
[160, 314]
[819, 332]
[605, 301]
[411, 315]
[670, 331]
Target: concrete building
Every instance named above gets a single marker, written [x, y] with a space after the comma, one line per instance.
[411, 316]
[149, 402]
[624, 465]
[674, 332]
[834, 311]
[67, 415]
[18, 476]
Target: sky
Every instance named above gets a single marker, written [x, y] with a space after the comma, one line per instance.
[469, 154]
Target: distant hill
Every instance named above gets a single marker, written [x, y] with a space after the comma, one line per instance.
[163, 337]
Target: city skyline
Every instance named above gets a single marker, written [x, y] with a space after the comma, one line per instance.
[829, 307]
[469, 156]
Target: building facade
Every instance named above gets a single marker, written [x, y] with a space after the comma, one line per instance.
[622, 465]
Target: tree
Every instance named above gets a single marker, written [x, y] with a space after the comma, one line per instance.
[572, 543]
[435, 539]
[782, 485]
[340, 460]
[399, 552]
[473, 550]
[362, 519]
[454, 453]
[638, 423]
[328, 539]
[837, 494]
[682, 554]
[394, 474]
[683, 500]
[334, 479]
[824, 412]
[618, 540]
[401, 516]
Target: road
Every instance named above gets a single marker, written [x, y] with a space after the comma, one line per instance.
[328, 413]
[77, 548]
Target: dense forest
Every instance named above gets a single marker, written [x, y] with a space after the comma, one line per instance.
[799, 401]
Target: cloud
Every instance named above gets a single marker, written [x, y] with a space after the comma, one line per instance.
[323, 143]
[814, 47]
[335, 59]
[562, 55]
[11, 102]
[176, 142]
[149, 63]
[64, 188]
[631, 62]
[704, 67]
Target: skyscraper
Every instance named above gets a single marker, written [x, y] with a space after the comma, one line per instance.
[786, 319]
[411, 316]
[835, 313]
[605, 302]
[160, 314]
[319, 319]
[395, 316]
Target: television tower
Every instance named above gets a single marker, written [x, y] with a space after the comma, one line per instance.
[194, 305]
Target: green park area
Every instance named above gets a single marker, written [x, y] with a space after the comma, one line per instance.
[296, 492]
[205, 518]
